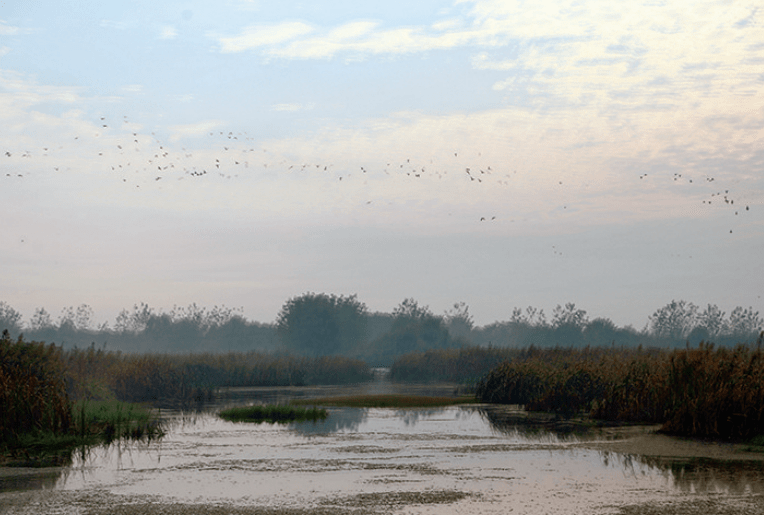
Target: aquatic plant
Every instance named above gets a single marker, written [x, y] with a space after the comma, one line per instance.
[111, 420]
[273, 413]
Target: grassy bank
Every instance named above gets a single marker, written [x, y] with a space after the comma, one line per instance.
[701, 392]
[276, 413]
[110, 420]
[92, 423]
[385, 401]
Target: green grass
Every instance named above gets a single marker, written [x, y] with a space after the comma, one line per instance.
[110, 420]
[273, 413]
[93, 422]
[385, 401]
[755, 444]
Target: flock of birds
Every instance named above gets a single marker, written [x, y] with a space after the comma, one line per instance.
[138, 158]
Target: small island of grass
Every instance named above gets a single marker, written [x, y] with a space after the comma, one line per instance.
[385, 401]
[277, 413]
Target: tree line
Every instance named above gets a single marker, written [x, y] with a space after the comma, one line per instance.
[320, 324]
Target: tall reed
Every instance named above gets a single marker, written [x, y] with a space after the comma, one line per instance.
[33, 397]
[703, 391]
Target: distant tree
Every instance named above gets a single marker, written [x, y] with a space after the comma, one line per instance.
[600, 331]
[41, 320]
[136, 321]
[321, 324]
[10, 319]
[710, 323]
[569, 316]
[535, 317]
[568, 325]
[122, 322]
[66, 320]
[76, 319]
[674, 321]
[458, 320]
[415, 328]
[408, 310]
[744, 323]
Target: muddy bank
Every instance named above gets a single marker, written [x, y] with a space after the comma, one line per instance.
[103, 503]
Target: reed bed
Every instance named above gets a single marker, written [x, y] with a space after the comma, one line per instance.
[40, 423]
[159, 378]
[702, 392]
[273, 413]
[33, 397]
[465, 365]
[385, 401]
[40, 383]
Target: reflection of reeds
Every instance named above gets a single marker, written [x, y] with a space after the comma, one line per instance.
[705, 392]
[112, 420]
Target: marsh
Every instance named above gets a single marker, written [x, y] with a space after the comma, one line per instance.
[471, 458]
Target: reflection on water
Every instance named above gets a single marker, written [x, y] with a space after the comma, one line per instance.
[697, 475]
[339, 419]
[494, 454]
[35, 479]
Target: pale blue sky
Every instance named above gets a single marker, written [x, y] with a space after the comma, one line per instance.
[245, 152]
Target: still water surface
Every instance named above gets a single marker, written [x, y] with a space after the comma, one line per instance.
[463, 459]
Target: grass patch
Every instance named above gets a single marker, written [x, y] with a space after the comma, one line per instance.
[110, 420]
[93, 422]
[273, 413]
[755, 444]
[385, 401]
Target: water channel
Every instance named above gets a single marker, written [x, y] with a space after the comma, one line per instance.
[464, 459]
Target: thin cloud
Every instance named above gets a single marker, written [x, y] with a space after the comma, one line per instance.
[264, 35]
[292, 107]
[11, 30]
[178, 132]
[168, 32]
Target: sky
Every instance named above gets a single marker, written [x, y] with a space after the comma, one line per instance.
[497, 153]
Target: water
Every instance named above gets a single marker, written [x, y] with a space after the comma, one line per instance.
[461, 459]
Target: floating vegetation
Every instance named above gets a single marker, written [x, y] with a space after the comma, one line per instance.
[273, 413]
[385, 401]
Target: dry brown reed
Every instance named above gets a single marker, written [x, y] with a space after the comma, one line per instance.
[465, 365]
[33, 396]
[100, 375]
[702, 392]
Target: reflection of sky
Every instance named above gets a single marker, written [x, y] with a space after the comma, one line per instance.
[206, 459]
